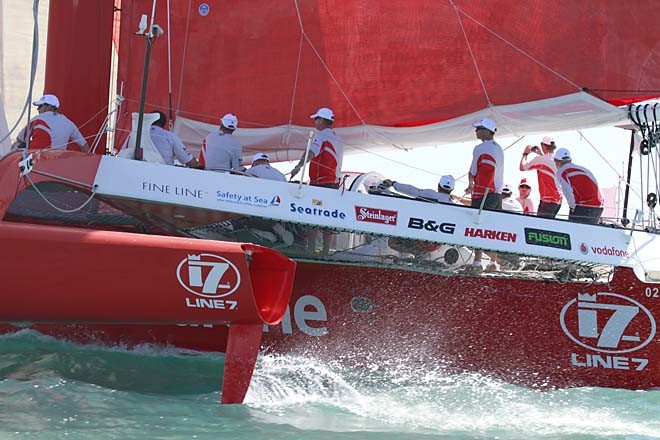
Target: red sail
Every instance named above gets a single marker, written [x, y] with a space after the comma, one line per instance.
[385, 63]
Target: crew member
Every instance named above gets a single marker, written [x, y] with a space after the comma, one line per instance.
[442, 195]
[326, 152]
[221, 151]
[580, 189]
[524, 190]
[546, 172]
[261, 168]
[50, 128]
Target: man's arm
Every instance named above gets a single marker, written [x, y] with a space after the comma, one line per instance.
[182, 154]
[78, 138]
[524, 164]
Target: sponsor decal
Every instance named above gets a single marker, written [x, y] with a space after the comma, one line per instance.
[174, 190]
[308, 314]
[491, 234]
[431, 225]
[584, 249]
[254, 200]
[317, 202]
[317, 212]
[610, 324]
[204, 9]
[209, 277]
[540, 237]
[376, 215]
[604, 250]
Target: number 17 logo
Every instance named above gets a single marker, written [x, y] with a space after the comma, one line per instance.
[208, 275]
[617, 324]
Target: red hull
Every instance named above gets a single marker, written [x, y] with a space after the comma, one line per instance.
[510, 329]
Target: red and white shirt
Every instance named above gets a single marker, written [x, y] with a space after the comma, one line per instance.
[487, 168]
[325, 166]
[51, 130]
[546, 173]
[527, 205]
[580, 186]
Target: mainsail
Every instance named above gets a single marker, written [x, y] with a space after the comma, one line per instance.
[396, 75]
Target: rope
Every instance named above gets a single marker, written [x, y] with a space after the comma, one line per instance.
[604, 159]
[325, 66]
[33, 73]
[64, 211]
[183, 58]
[495, 34]
[169, 61]
[474, 60]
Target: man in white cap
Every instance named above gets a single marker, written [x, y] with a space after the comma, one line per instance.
[261, 168]
[580, 189]
[509, 203]
[326, 152]
[546, 173]
[442, 195]
[221, 151]
[486, 175]
[50, 128]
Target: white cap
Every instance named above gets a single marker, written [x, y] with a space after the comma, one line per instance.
[506, 189]
[259, 156]
[548, 140]
[486, 123]
[324, 113]
[562, 154]
[446, 183]
[229, 121]
[47, 99]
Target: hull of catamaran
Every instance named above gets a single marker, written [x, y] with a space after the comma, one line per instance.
[585, 319]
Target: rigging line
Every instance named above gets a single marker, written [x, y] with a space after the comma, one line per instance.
[325, 66]
[531, 57]
[169, 61]
[474, 60]
[33, 71]
[641, 183]
[593, 147]
[183, 57]
[57, 208]
[341, 90]
[295, 82]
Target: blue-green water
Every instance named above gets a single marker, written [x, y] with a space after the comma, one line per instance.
[54, 390]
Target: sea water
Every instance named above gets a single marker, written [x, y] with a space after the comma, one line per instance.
[50, 389]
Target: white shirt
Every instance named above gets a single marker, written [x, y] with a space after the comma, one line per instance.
[221, 151]
[169, 146]
[265, 171]
[51, 130]
[511, 205]
[425, 193]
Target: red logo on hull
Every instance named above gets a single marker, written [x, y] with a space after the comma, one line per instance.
[375, 215]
